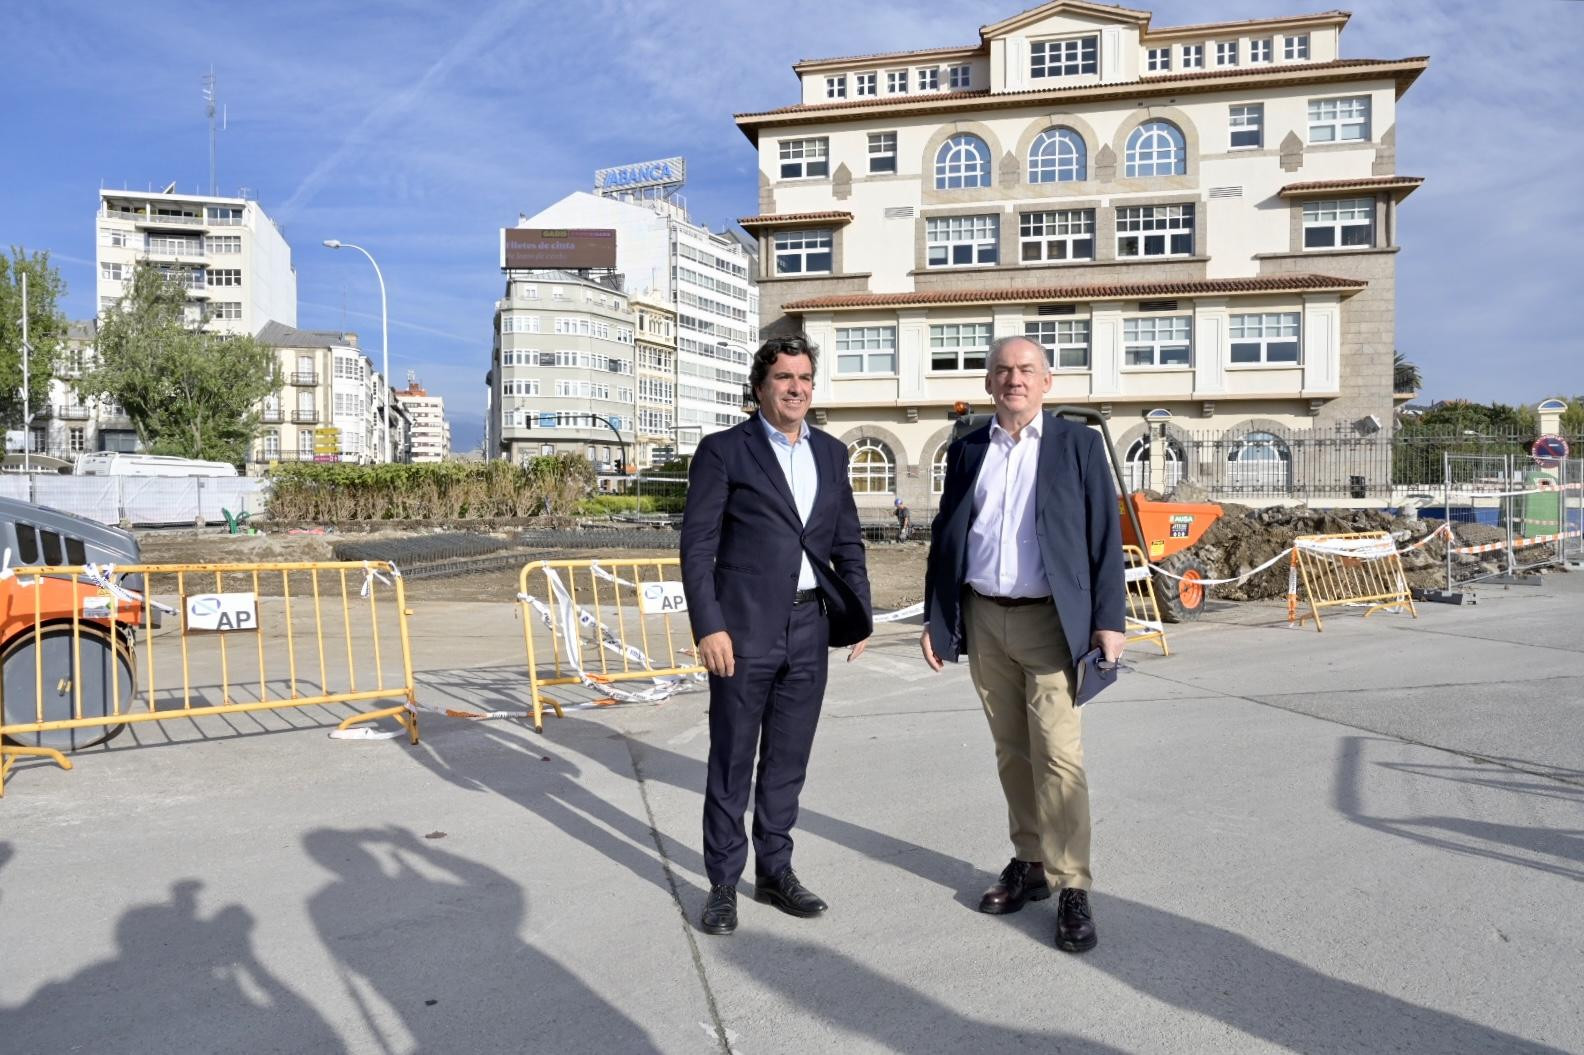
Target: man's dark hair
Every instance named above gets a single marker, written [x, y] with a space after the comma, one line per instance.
[775, 348]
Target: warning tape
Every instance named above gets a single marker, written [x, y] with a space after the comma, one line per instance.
[1544, 490]
[1518, 543]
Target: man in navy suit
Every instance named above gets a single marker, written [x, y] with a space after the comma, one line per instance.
[1025, 574]
[773, 569]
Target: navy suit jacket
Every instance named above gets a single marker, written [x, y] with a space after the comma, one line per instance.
[743, 541]
[1076, 521]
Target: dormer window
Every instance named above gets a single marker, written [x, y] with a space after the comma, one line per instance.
[1260, 50]
[929, 78]
[1226, 53]
[864, 84]
[1296, 48]
[958, 78]
[836, 87]
[896, 81]
[1159, 59]
[1193, 57]
[1064, 58]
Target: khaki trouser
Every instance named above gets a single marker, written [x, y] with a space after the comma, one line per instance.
[1022, 670]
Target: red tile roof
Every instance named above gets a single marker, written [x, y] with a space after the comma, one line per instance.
[1407, 184]
[1108, 291]
[788, 219]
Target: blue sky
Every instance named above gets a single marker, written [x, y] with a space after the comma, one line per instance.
[418, 127]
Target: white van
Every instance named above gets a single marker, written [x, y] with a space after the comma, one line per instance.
[116, 463]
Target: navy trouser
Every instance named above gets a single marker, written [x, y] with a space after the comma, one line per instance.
[767, 710]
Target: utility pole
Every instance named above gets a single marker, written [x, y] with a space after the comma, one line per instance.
[27, 405]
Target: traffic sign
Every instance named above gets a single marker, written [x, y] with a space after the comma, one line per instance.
[1550, 450]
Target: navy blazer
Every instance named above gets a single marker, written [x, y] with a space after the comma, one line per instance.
[1077, 523]
[743, 541]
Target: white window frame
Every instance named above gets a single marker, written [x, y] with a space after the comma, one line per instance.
[1246, 120]
[226, 310]
[1156, 341]
[929, 78]
[224, 276]
[959, 78]
[882, 152]
[896, 82]
[1159, 60]
[1193, 56]
[1144, 157]
[1226, 52]
[1339, 216]
[1066, 341]
[866, 350]
[808, 251]
[1335, 116]
[807, 158]
[1048, 230]
[954, 172]
[1262, 50]
[836, 87]
[962, 241]
[1137, 226]
[111, 272]
[1296, 48]
[866, 84]
[223, 244]
[871, 467]
[1064, 57]
[965, 344]
[1058, 155]
[1260, 332]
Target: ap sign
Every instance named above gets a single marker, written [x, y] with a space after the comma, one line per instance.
[220, 612]
[660, 598]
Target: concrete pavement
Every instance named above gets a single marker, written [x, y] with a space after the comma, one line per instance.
[1368, 839]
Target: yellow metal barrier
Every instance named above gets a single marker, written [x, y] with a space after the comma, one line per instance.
[1361, 569]
[1144, 621]
[83, 650]
[598, 623]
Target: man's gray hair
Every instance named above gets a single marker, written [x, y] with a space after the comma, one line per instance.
[1001, 342]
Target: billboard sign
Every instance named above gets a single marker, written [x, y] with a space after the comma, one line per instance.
[627, 179]
[538, 248]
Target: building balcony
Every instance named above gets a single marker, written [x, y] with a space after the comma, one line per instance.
[70, 413]
[305, 417]
[272, 417]
[158, 220]
[304, 377]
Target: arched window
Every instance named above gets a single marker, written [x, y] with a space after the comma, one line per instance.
[962, 161]
[1136, 466]
[938, 469]
[271, 444]
[1156, 148]
[1057, 156]
[871, 468]
[1259, 462]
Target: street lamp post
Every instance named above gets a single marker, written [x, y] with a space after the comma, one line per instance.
[385, 381]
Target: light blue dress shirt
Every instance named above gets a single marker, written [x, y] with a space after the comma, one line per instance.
[797, 464]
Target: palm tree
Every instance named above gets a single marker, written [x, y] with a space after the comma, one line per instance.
[1405, 375]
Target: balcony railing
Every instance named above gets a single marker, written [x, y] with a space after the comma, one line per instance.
[304, 417]
[272, 417]
[304, 377]
[72, 413]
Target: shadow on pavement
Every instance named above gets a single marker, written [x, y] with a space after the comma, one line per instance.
[1557, 851]
[176, 977]
[427, 945]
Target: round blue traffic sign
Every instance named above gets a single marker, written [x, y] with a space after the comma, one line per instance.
[1549, 450]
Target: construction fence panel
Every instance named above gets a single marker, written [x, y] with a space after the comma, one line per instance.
[1144, 621]
[595, 630]
[94, 497]
[1536, 523]
[1359, 569]
[1474, 504]
[1573, 509]
[16, 485]
[88, 650]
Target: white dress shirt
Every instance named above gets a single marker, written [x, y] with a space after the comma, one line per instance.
[1003, 550]
[797, 464]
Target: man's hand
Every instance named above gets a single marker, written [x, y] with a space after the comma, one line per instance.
[1110, 643]
[857, 650]
[716, 652]
[929, 651]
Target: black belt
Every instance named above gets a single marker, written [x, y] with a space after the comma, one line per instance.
[805, 596]
[1010, 602]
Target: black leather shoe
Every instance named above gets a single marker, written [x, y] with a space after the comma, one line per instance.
[787, 894]
[1075, 929]
[720, 911]
[1020, 882]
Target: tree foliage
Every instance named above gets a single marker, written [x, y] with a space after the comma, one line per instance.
[188, 392]
[46, 330]
[1405, 375]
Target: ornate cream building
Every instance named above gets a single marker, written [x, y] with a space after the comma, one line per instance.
[1197, 219]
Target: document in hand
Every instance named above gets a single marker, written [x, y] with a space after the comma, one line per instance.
[1094, 674]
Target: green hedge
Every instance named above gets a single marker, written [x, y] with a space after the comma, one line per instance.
[605, 505]
[550, 485]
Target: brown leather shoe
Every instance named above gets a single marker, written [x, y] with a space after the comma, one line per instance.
[1021, 881]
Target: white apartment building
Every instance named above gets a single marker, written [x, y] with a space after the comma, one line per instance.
[66, 425]
[1199, 223]
[705, 275]
[327, 409]
[431, 432]
[230, 256]
[562, 371]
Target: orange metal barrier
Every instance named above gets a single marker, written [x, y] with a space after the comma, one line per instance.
[1361, 569]
[1144, 621]
[600, 623]
[83, 648]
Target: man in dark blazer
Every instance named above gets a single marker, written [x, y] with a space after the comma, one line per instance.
[773, 569]
[1025, 574]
